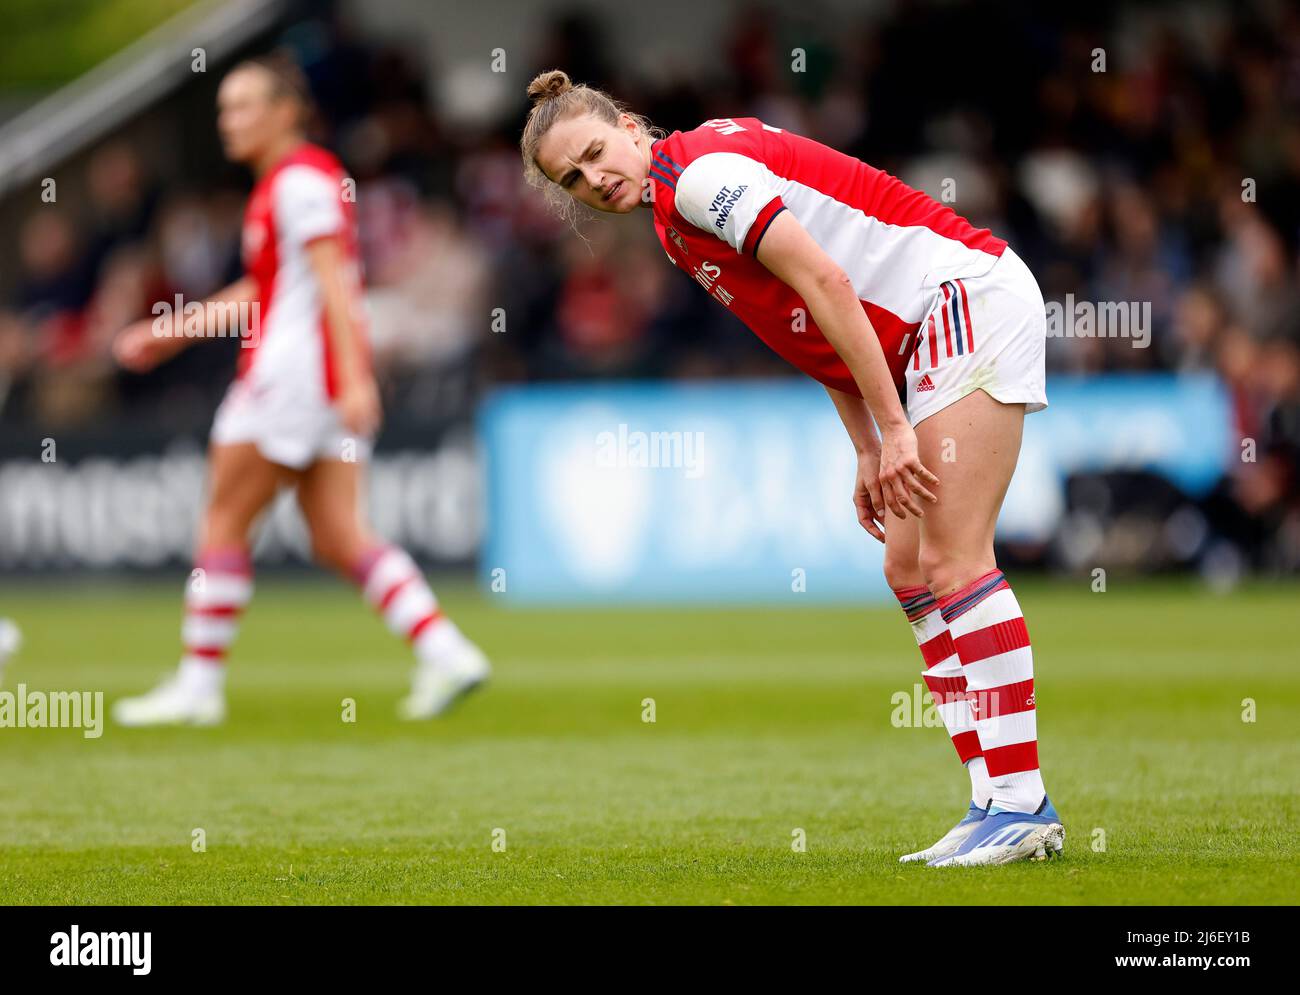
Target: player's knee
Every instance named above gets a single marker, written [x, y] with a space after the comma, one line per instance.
[902, 571]
[222, 529]
[945, 572]
[938, 567]
[338, 548]
[327, 551]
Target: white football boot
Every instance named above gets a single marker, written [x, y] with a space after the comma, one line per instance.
[1004, 837]
[950, 841]
[191, 696]
[440, 681]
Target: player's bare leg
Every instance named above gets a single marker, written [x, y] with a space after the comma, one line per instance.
[241, 484]
[903, 552]
[975, 442]
[973, 445]
[449, 665]
[941, 672]
[330, 497]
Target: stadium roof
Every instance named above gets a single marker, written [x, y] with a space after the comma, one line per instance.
[79, 114]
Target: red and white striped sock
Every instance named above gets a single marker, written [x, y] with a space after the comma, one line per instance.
[392, 583]
[946, 682]
[992, 643]
[218, 588]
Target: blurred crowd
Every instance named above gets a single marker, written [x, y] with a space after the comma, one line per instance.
[1128, 153]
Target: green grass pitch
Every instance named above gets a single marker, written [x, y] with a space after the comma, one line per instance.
[768, 721]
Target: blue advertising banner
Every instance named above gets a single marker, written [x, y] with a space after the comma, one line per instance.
[740, 491]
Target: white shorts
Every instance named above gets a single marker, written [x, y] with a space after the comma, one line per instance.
[286, 428]
[987, 332]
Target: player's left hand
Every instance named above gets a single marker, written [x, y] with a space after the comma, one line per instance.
[867, 495]
[903, 478]
[359, 406]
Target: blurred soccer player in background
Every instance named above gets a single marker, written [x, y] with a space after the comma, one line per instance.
[920, 326]
[302, 411]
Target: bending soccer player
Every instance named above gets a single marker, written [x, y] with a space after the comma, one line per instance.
[927, 333]
[302, 412]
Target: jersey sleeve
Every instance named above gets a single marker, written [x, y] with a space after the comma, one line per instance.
[731, 195]
[307, 205]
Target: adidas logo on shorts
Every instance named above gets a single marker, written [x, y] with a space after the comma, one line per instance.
[925, 384]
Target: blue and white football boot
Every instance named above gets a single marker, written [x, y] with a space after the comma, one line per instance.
[951, 840]
[1002, 837]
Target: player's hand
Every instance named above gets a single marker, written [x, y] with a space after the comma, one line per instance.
[359, 406]
[867, 495]
[139, 348]
[903, 478]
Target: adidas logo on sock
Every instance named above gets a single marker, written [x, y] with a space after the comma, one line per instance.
[925, 384]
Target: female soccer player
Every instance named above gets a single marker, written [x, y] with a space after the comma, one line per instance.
[302, 411]
[919, 326]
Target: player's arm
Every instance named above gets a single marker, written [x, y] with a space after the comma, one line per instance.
[868, 497]
[793, 256]
[358, 396]
[857, 421]
[142, 345]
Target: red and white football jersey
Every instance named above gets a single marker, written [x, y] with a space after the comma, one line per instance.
[297, 201]
[717, 188]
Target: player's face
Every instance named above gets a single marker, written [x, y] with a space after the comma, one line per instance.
[602, 165]
[249, 119]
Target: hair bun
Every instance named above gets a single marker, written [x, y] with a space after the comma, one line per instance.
[549, 85]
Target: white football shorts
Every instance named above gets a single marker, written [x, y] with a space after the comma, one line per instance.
[287, 428]
[987, 332]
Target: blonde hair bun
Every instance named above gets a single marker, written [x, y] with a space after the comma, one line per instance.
[549, 85]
